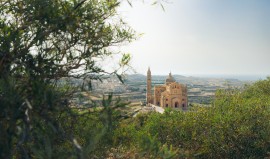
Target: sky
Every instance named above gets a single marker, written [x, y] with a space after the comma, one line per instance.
[200, 37]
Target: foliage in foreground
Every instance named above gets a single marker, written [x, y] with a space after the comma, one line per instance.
[41, 43]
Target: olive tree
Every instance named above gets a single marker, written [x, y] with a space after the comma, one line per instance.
[42, 41]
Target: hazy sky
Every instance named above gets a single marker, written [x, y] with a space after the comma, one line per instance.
[201, 37]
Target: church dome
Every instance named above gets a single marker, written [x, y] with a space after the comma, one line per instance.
[170, 79]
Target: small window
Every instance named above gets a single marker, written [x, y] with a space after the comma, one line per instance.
[183, 105]
[166, 99]
[166, 105]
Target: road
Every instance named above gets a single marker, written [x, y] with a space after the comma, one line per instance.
[158, 109]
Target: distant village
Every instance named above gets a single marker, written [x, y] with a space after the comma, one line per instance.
[134, 88]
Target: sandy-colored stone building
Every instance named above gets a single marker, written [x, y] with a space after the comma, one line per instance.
[172, 94]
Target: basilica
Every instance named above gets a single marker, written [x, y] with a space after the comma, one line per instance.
[170, 95]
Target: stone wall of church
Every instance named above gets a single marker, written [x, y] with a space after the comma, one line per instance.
[175, 96]
[157, 94]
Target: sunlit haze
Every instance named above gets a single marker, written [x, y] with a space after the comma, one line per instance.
[195, 37]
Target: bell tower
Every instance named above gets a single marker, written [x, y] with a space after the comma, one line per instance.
[149, 89]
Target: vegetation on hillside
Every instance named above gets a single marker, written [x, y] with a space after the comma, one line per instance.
[234, 126]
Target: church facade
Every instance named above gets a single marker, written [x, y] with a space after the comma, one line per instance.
[170, 95]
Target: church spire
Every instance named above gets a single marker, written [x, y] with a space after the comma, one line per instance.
[148, 87]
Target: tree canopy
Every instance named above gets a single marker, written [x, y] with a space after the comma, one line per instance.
[42, 41]
[54, 39]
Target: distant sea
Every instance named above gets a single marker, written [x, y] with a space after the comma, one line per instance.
[239, 77]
